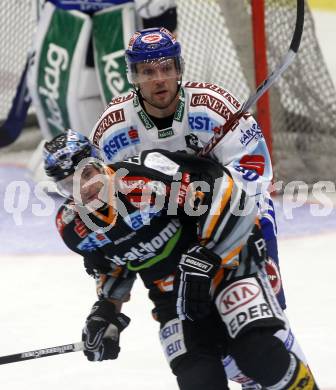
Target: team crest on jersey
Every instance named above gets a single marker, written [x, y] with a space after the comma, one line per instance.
[120, 140]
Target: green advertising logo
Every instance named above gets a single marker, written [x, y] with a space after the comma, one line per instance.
[49, 88]
[114, 73]
[165, 133]
[108, 38]
[54, 66]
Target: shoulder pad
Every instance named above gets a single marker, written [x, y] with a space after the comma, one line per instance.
[158, 161]
[121, 99]
[111, 116]
[214, 88]
[114, 113]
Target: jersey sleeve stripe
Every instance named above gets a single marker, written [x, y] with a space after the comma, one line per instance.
[217, 279]
[231, 260]
[223, 201]
[229, 217]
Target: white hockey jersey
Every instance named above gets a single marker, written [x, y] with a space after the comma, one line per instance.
[124, 129]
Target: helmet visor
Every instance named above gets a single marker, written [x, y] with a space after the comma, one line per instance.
[155, 70]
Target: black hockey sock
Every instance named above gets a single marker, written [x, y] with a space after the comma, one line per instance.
[299, 378]
[200, 373]
[261, 356]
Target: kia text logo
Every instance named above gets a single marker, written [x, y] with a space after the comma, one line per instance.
[237, 295]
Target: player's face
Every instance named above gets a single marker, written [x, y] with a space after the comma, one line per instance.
[158, 86]
[85, 186]
[90, 184]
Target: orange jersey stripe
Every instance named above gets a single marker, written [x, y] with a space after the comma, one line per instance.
[229, 257]
[224, 202]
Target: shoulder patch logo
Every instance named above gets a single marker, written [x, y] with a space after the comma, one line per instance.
[214, 104]
[165, 133]
[108, 120]
[213, 87]
[119, 140]
[121, 99]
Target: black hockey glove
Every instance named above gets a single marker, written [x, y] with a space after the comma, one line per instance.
[101, 331]
[192, 283]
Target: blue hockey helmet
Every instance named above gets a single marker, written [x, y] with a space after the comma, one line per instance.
[155, 46]
[63, 153]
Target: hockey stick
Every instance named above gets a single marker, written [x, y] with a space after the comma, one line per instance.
[14, 123]
[40, 353]
[265, 85]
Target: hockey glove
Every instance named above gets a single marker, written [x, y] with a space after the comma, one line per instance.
[102, 330]
[192, 283]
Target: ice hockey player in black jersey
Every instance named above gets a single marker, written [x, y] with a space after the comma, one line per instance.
[187, 228]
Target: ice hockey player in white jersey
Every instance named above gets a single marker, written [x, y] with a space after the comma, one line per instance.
[164, 112]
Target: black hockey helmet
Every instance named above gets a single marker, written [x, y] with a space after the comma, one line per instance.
[63, 153]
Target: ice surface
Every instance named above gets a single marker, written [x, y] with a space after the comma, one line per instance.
[46, 298]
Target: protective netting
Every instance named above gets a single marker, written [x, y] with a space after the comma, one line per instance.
[207, 47]
[303, 102]
[216, 34]
[16, 28]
